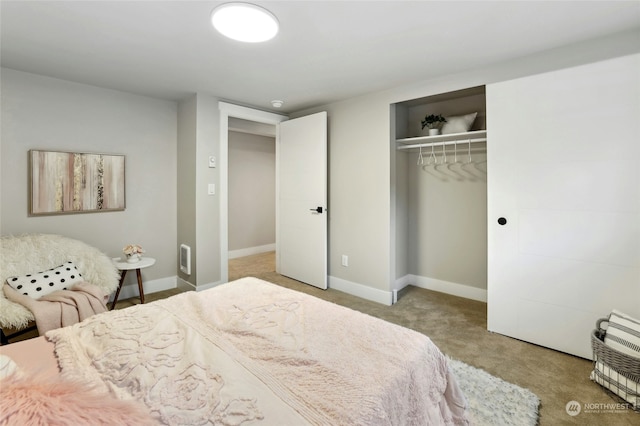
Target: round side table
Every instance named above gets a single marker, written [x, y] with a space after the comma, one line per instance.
[125, 266]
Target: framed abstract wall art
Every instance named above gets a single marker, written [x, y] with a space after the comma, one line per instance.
[71, 182]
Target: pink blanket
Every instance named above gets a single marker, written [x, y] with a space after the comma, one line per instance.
[61, 308]
[256, 352]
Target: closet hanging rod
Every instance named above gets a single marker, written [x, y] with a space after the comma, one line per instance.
[435, 144]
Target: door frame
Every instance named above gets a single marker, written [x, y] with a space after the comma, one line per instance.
[230, 110]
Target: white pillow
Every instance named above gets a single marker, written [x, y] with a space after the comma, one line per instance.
[46, 282]
[459, 123]
[623, 334]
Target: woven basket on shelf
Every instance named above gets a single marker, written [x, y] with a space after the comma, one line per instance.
[624, 364]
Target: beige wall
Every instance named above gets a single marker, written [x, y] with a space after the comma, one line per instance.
[198, 212]
[359, 188]
[447, 220]
[40, 112]
[45, 113]
[252, 206]
[207, 208]
[186, 183]
[362, 189]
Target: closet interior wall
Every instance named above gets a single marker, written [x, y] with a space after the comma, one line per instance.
[442, 205]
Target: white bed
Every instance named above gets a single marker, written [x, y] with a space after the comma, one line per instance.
[251, 352]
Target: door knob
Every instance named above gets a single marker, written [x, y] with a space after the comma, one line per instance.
[317, 210]
[502, 221]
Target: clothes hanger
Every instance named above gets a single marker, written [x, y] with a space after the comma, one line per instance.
[432, 156]
[455, 151]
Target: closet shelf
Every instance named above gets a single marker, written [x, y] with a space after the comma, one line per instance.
[475, 136]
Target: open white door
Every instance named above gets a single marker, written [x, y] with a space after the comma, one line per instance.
[301, 186]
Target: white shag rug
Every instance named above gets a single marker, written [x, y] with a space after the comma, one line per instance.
[492, 401]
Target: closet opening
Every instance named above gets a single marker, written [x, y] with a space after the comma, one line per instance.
[441, 193]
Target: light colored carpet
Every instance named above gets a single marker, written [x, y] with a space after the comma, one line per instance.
[492, 401]
[459, 328]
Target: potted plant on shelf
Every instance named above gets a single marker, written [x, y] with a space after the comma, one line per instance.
[433, 123]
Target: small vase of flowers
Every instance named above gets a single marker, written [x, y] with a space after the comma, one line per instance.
[433, 123]
[133, 252]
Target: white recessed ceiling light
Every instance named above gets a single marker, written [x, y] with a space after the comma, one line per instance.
[244, 22]
[277, 103]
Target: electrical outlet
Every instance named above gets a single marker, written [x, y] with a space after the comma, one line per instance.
[345, 260]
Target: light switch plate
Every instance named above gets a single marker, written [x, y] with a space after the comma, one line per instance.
[212, 161]
[211, 189]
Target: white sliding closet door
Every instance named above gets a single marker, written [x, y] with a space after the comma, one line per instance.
[564, 172]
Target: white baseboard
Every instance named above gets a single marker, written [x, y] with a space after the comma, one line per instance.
[187, 286]
[441, 286]
[402, 282]
[251, 250]
[152, 286]
[363, 291]
[208, 285]
[349, 287]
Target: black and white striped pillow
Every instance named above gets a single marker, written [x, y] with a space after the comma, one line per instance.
[623, 334]
[46, 282]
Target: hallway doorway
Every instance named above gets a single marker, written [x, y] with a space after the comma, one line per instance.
[253, 265]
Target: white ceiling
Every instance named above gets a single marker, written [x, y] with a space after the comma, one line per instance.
[325, 51]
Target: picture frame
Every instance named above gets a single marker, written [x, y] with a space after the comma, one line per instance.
[74, 182]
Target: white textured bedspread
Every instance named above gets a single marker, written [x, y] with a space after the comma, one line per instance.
[251, 352]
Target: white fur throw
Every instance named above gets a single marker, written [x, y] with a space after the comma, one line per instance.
[24, 254]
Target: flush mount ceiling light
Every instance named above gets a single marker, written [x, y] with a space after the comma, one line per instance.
[277, 103]
[244, 22]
